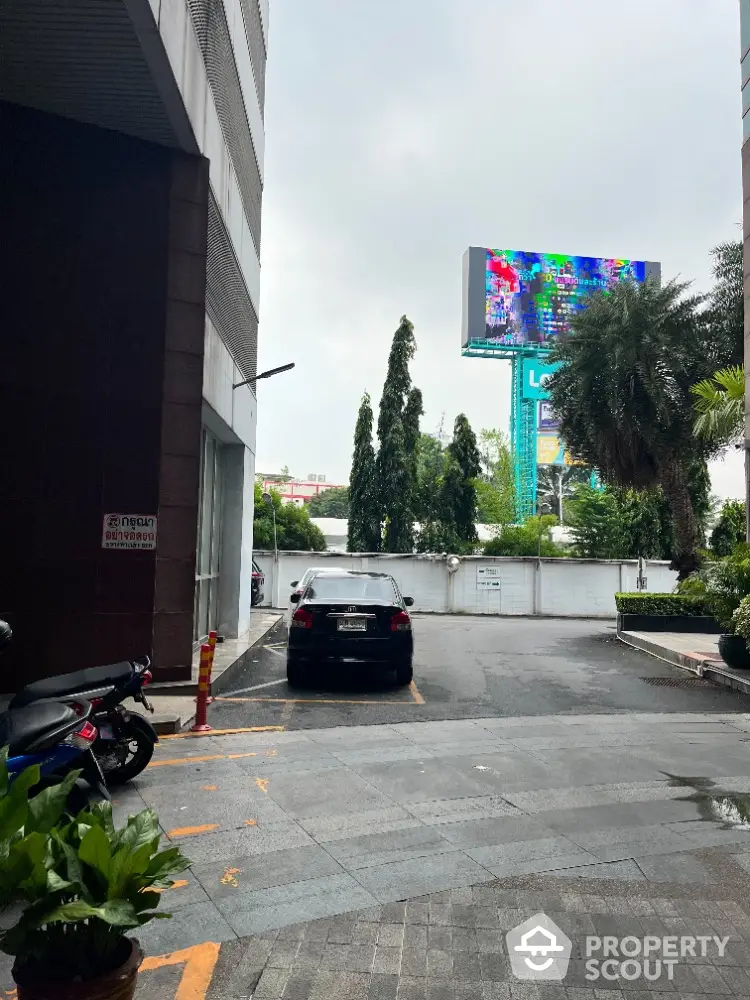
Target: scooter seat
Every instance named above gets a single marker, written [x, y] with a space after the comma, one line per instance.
[64, 685]
[22, 727]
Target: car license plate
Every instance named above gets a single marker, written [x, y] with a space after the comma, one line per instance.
[352, 624]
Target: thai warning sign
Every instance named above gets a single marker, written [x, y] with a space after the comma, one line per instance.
[129, 531]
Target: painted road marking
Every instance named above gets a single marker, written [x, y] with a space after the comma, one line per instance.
[251, 822]
[416, 694]
[317, 701]
[257, 687]
[192, 831]
[275, 645]
[199, 961]
[176, 761]
[175, 885]
[223, 732]
[262, 783]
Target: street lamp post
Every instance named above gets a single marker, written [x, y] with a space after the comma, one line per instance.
[266, 374]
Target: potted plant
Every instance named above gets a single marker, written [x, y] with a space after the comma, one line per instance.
[79, 885]
[741, 623]
[729, 583]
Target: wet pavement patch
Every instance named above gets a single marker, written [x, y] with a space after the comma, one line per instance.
[730, 810]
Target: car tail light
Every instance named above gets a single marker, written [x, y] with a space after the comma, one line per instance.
[401, 622]
[146, 677]
[94, 703]
[302, 618]
[83, 738]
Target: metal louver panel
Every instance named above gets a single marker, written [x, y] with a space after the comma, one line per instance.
[81, 59]
[257, 46]
[227, 298]
[215, 42]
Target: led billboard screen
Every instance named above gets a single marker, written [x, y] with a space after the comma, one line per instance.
[517, 299]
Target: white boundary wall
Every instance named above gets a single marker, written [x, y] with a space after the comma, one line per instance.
[571, 588]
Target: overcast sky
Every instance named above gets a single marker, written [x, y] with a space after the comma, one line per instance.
[402, 132]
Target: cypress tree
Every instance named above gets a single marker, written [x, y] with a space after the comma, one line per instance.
[459, 491]
[364, 530]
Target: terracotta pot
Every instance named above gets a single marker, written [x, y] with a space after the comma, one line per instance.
[734, 651]
[116, 985]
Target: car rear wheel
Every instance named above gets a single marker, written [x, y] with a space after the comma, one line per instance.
[404, 674]
[295, 673]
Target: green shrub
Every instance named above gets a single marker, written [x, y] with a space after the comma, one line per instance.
[532, 538]
[741, 620]
[662, 604]
[729, 582]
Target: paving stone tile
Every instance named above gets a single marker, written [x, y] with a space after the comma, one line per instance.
[417, 912]
[251, 912]
[439, 963]
[347, 826]
[365, 933]
[302, 796]
[438, 988]
[340, 986]
[271, 985]
[383, 987]
[416, 877]
[625, 871]
[251, 872]
[299, 986]
[384, 847]
[186, 928]
[264, 838]
[394, 912]
[387, 960]
[413, 961]
[710, 979]
[675, 868]
[466, 967]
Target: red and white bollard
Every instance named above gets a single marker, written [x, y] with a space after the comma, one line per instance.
[204, 685]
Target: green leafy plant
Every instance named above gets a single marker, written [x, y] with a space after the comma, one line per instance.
[662, 604]
[82, 883]
[532, 538]
[728, 583]
[741, 620]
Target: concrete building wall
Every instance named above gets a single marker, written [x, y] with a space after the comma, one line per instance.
[571, 588]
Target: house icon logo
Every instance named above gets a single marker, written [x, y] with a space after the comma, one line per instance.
[538, 949]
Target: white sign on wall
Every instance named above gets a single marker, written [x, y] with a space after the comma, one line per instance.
[129, 531]
[488, 577]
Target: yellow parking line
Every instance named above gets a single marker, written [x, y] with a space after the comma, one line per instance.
[317, 701]
[199, 760]
[223, 732]
[199, 961]
[416, 694]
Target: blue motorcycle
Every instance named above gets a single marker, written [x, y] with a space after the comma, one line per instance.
[59, 739]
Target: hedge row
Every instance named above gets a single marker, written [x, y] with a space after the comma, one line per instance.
[662, 604]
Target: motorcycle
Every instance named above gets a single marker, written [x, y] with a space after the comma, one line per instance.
[126, 740]
[59, 739]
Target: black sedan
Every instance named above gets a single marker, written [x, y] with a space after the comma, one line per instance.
[352, 619]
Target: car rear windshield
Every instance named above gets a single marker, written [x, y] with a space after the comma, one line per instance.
[351, 588]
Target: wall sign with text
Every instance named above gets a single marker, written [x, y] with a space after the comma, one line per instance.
[129, 531]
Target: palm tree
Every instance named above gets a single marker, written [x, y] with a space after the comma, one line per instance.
[719, 402]
[623, 394]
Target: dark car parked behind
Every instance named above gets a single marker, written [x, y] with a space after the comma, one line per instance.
[353, 619]
[256, 585]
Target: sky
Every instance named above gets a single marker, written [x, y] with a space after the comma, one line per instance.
[402, 132]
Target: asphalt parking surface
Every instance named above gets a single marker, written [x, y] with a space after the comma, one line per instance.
[472, 667]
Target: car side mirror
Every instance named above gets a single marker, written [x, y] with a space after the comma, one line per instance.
[294, 583]
[295, 598]
[409, 602]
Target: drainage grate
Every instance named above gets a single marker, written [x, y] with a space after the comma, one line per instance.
[679, 682]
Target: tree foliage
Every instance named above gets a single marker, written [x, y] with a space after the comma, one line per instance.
[364, 529]
[729, 531]
[459, 505]
[495, 486]
[395, 471]
[295, 532]
[726, 306]
[719, 403]
[333, 502]
[623, 394]
[532, 538]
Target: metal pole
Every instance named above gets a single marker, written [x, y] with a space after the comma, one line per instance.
[275, 546]
[562, 473]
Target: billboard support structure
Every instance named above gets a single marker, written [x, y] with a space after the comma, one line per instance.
[515, 304]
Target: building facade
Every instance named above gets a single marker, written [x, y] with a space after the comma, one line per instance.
[745, 57]
[132, 177]
[299, 491]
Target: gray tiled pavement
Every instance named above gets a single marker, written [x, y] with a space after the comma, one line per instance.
[388, 861]
[317, 837]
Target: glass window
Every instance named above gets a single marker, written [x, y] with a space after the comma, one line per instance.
[208, 550]
[351, 588]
